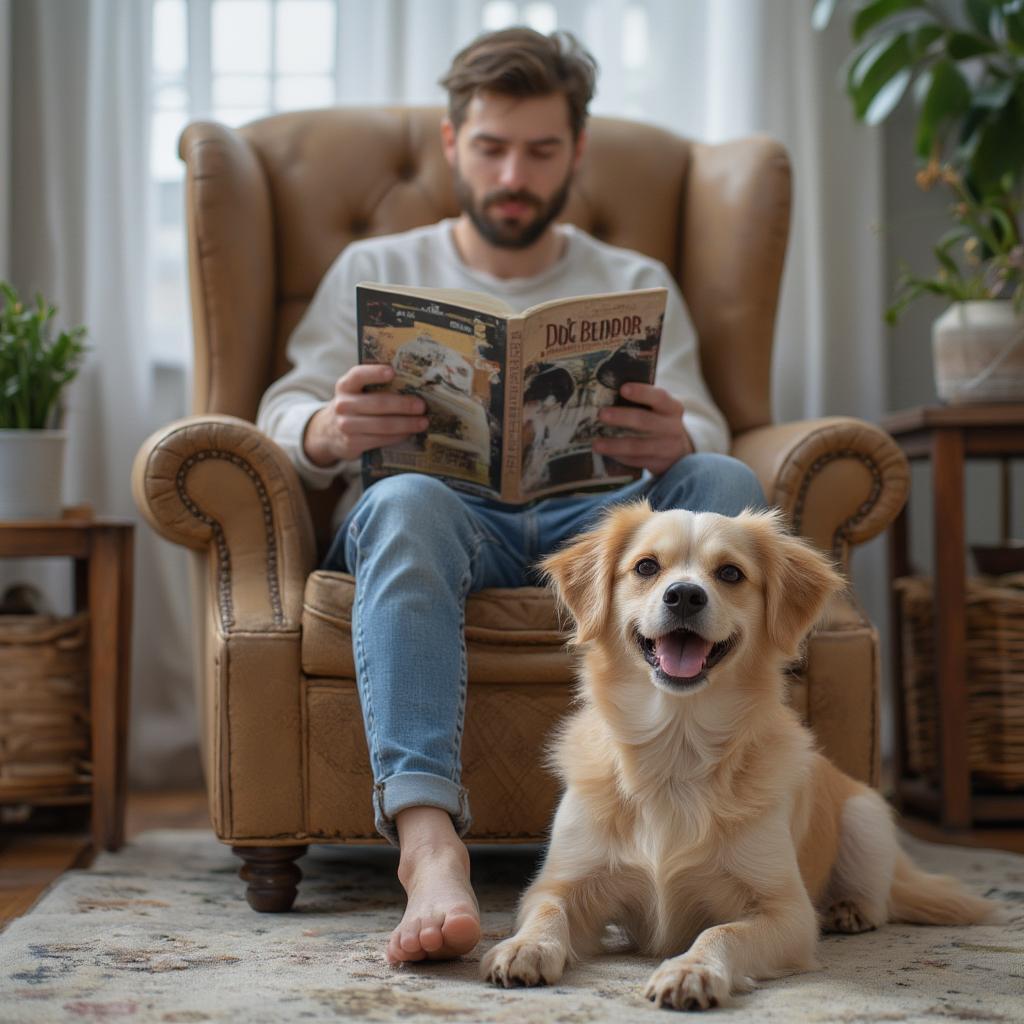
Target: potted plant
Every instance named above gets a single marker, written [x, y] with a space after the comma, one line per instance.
[966, 73]
[34, 370]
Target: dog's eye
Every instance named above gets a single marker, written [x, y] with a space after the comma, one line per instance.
[729, 574]
[647, 567]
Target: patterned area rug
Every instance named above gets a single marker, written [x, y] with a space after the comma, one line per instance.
[160, 932]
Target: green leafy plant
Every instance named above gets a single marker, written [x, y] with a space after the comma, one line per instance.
[982, 257]
[34, 369]
[966, 74]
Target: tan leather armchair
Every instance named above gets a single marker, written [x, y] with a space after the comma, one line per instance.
[269, 207]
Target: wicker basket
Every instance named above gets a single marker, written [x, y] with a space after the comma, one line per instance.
[44, 709]
[995, 680]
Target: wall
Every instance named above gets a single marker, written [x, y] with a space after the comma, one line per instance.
[914, 220]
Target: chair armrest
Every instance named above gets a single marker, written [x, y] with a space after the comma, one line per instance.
[840, 480]
[216, 482]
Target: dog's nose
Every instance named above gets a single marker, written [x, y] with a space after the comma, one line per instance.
[685, 598]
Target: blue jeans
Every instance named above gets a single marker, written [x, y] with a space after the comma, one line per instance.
[416, 548]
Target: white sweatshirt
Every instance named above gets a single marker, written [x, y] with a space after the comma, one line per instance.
[323, 346]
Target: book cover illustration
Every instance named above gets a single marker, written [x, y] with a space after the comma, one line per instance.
[454, 363]
[576, 357]
[561, 402]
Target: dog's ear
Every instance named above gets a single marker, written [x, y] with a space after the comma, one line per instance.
[582, 573]
[799, 580]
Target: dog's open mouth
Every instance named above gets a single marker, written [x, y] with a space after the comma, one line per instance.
[682, 658]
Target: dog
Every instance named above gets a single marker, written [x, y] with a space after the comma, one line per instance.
[697, 814]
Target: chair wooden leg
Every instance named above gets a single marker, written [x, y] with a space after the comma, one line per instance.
[273, 880]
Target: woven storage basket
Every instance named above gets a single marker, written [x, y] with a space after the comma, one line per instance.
[44, 708]
[995, 679]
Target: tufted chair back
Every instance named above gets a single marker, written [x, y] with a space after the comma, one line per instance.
[271, 205]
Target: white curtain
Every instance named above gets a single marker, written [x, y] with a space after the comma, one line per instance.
[80, 130]
[79, 78]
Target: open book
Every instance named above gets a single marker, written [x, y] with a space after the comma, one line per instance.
[512, 399]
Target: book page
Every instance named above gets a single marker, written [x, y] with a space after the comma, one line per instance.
[575, 357]
[450, 296]
[453, 358]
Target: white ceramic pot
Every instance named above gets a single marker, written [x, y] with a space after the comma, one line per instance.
[31, 473]
[978, 352]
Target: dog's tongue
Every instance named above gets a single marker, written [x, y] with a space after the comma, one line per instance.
[681, 655]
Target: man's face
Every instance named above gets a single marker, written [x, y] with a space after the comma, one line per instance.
[513, 162]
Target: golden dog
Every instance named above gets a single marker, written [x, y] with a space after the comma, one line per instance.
[697, 814]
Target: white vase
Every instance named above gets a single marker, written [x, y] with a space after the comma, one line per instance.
[31, 473]
[978, 352]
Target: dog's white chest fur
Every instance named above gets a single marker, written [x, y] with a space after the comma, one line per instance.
[678, 871]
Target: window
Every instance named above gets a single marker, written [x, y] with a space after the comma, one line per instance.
[232, 61]
[237, 60]
[167, 308]
[502, 13]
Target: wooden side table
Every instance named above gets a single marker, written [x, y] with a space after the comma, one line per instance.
[102, 553]
[948, 436]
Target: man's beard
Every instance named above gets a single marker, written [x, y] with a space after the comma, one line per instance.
[511, 234]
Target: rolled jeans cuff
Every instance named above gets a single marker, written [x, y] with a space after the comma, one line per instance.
[418, 789]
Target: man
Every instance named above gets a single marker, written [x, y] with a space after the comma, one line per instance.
[514, 137]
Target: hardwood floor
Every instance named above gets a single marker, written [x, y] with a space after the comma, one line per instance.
[28, 864]
[172, 809]
[32, 857]
[1011, 839]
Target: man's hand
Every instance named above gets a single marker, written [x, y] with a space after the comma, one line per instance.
[354, 420]
[662, 439]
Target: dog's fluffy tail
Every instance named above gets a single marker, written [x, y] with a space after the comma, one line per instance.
[918, 897]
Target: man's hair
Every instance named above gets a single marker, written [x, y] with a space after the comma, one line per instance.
[521, 62]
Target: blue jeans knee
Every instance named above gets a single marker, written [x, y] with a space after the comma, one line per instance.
[411, 511]
[707, 482]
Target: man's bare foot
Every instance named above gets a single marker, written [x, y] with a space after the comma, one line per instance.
[442, 918]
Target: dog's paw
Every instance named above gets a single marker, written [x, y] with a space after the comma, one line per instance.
[688, 985]
[522, 962]
[846, 917]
